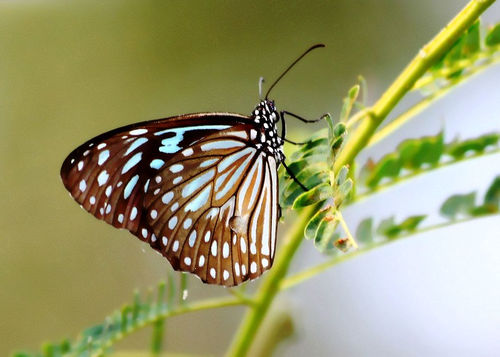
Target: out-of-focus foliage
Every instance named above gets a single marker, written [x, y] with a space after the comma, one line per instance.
[98, 339]
[423, 154]
[467, 55]
[456, 206]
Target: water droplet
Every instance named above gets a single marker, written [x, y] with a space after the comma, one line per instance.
[184, 294]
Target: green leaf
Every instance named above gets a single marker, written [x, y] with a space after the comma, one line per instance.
[483, 210]
[493, 36]
[364, 232]
[348, 102]
[326, 237]
[457, 204]
[389, 166]
[458, 149]
[388, 228]
[344, 189]
[313, 224]
[339, 129]
[317, 194]
[471, 41]
[430, 151]
[342, 175]
[411, 223]
[408, 151]
[492, 196]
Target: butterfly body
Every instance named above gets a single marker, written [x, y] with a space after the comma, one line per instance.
[201, 189]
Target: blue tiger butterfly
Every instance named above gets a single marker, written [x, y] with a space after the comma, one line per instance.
[201, 189]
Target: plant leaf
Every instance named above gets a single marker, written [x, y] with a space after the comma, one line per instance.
[457, 204]
[492, 196]
[317, 194]
[313, 224]
[364, 232]
[493, 36]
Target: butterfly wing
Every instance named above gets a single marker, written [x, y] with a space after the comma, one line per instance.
[195, 187]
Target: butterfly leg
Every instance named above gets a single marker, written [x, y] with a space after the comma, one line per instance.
[292, 175]
[294, 142]
[283, 131]
[283, 112]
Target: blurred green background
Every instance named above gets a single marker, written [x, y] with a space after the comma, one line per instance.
[71, 70]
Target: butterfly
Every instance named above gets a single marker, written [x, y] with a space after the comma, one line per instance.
[201, 189]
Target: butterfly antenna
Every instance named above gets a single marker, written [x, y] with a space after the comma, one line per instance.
[261, 80]
[291, 66]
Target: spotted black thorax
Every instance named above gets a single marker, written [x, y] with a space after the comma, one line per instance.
[266, 116]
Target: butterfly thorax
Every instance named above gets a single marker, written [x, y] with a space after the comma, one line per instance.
[266, 117]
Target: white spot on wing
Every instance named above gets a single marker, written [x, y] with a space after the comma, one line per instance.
[187, 223]
[176, 168]
[157, 164]
[167, 197]
[130, 186]
[214, 248]
[221, 144]
[172, 222]
[198, 182]
[103, 156]
[138, 142]
[103, 177]
[192, 238]
[208, 162]
[134, 160]
[225, 250]
[188, 152]
[200, 200]
[265, 262]
[177, 180]
[138, 131]
[133, 213]
[82, 185]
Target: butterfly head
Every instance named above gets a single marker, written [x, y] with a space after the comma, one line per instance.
[266, 116]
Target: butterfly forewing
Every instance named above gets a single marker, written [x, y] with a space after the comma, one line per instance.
[196, 187]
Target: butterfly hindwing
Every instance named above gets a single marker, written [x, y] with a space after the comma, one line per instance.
[195, 187]
[208, 208]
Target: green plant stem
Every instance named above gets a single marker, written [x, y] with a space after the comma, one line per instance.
[426, 57]
[320, 268]
[269, 288]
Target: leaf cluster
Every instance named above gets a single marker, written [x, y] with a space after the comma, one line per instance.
[455, 206]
